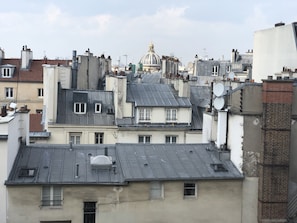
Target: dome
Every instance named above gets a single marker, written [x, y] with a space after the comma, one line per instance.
[151, 61]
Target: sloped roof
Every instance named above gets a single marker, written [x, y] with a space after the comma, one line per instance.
[67, 98]
[57, 164]
[155, 95]
[33, 74]
[200, 98]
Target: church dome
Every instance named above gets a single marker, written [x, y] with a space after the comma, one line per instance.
[151, 61]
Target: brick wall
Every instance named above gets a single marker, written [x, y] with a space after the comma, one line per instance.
[273, 169]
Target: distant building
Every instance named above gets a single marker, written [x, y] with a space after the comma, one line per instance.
[275, 52]
[238, 68]
[21, 80]
[151, 61]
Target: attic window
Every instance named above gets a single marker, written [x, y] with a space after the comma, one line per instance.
[80, 108]
[6, 72]
[97, 107]
[218, 167]
[27, 172]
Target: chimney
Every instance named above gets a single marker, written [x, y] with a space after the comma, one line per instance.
[277, 100]
[74, 69]
[3, 111]
[26, 57]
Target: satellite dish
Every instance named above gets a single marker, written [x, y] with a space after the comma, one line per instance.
[231, 75]
[219, 103]
[219, 89]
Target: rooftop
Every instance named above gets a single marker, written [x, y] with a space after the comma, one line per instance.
[70, 164]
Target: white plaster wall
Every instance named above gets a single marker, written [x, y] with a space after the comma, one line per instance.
[50, 83]
[194, 137]
[217, 201]
[235, 139]
[158, 115]
[60, 133]
[274, 49]
[207, 128]
[156, 136]
[3, 177]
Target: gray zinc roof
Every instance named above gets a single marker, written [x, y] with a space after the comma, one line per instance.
[172, 162]
[66, 115]
[56, 164]
[155, 95]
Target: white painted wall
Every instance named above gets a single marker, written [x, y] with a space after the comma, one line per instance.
[235, 139]
[14, 127]
[274, 49]
[50, 85]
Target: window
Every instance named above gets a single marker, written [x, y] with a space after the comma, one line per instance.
[99, 137]
[97, 107]
[228, 68]
[27, 172]
[40, 92]
[215, 70]
[170, 139]
[144, 139]
[156, 190]
[190, 190]
[80, 108]
[51, 196]
[74, 138]
[9, 92]
[171, 114]
[144, 114]
[89, 212]
[6, 72]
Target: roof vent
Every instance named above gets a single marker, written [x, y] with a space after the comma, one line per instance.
[101, 161]
[218, 167]
[279, 24]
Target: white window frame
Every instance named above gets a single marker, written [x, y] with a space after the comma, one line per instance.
[144, 114]
[171, 115]
[99, 137]
[54, 196]
[80, 108]
[146, 139]
[215, 70]
[8, 92]
[171, 139]
[156, 190]
[98, 107]
[40, 92]
[6, 72]
[75, 137]
[188, 187]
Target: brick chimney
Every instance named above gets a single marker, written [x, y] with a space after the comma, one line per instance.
[277, 96]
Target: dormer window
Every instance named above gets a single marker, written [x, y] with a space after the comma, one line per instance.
[215, 70]
[27, 172]
[80, 108]
[97, 107]
[6, 72]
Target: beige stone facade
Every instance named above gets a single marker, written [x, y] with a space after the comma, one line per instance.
[216, 201]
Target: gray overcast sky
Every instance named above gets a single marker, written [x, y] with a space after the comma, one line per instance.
[117, 27]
